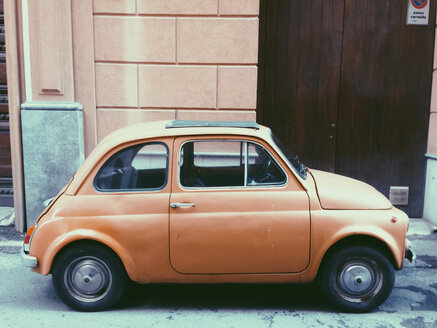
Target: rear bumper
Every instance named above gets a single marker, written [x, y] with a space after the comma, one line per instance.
[28, 260]
[409, 253]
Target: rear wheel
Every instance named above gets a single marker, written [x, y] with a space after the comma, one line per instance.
[89, 278]
[356, 278]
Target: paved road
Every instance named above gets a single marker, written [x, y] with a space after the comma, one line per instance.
[29, 300]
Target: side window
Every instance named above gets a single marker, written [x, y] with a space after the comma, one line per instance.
[225, 164]
[211, 164]
[138, 167]
[262, 168]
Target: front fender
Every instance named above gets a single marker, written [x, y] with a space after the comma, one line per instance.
[330, 227]
[383, 236]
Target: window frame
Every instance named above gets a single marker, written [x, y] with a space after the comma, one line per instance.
[246, 162]
[136, 190]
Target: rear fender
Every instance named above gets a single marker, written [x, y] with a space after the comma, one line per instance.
[64, 240]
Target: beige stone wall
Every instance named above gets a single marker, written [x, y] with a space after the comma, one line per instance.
[174, 59]
[127, 61]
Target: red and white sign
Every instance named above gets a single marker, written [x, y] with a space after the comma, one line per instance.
[418, 12]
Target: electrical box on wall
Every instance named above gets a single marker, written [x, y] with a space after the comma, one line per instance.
[399, 195]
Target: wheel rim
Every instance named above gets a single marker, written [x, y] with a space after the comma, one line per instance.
[88, 279]
[358, 280]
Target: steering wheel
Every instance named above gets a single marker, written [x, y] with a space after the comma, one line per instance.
[264, 175]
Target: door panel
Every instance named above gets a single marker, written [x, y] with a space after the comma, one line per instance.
[240, 229]
[240, 232]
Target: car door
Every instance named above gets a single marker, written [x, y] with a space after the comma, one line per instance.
[235, 208]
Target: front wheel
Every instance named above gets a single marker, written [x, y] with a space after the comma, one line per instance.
[89, 278]
[356, 278]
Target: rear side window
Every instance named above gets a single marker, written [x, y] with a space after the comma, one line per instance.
[227, 163]
[139, 167]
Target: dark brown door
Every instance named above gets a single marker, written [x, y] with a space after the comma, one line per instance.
[348, 83]
[299, 72]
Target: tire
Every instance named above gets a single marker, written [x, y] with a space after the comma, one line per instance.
[356, 278]
[89, 278]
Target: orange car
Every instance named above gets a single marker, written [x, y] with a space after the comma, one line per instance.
[213, 202]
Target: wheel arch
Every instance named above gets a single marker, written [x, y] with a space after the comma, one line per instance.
[84, 242]
[361, 240]
[74, 239]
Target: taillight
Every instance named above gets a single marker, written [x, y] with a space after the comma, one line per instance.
[28, 238]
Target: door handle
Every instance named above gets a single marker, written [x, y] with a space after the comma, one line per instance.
[176, 205]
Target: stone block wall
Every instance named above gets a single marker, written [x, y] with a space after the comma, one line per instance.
[121, 62]
[174, 59]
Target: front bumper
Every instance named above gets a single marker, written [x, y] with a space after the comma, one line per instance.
[409, 253]
[28, 260]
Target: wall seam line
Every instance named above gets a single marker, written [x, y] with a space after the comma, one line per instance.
[176, 40]
[138, 86]
[217, 89]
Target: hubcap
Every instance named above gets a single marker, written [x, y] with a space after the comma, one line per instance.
[88, 279]
[356, 278]
[359, 279]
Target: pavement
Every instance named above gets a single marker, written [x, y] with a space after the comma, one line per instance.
[421, 227]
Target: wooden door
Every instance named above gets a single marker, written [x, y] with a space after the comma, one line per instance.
[299, 71]
[348, 82]
[385, 97]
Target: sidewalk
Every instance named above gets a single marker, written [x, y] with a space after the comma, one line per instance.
[420, 227]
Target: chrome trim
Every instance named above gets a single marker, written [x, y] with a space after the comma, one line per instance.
[246, 162]
[287, 162]
[220, 124]
[27, 260]
[48, 201]
[137, 190]
[410, 255]
[261, 186]
[176, 205]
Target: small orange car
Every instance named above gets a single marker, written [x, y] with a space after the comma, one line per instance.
[213, 202]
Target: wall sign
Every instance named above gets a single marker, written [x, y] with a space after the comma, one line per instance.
[418, 12]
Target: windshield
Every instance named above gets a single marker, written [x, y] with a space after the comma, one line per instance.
[293, 159]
